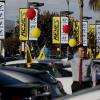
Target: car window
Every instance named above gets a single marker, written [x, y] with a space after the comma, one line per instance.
[47, 77]
[55, 70]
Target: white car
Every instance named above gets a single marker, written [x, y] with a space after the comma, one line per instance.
[87, 94]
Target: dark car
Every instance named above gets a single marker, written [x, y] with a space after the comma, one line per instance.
[17, 84]
[36, 77]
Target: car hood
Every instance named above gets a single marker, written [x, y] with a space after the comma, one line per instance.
[10, 77]
[27, 75]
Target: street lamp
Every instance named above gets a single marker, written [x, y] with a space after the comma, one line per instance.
[86, 18]
[36, 4]
[66, 13]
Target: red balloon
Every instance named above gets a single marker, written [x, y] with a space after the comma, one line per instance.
[31, 13]
[66, 28]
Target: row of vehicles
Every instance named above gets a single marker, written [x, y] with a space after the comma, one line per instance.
[20, 83]
[45, 80]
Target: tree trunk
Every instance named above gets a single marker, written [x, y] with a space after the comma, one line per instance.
[81, 21]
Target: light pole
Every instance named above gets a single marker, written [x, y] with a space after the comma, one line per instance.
[81, 20]
[66, 13]
[36, 6]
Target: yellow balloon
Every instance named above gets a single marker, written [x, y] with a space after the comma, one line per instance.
[72, 42]
[58, 49]
[35, 32]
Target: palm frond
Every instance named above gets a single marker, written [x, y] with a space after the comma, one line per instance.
[95, 5]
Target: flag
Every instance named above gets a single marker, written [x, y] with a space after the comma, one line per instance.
[28, 56]
[98, 56]
[42, 55]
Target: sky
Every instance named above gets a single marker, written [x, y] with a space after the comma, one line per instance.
[12, 8]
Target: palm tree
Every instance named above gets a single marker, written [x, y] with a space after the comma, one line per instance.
[94, 4]
[81, 20]
[67, 4]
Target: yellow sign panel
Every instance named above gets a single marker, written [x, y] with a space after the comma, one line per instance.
[23, 21]
[92, 28]
[76, 31]
[56, 30]
[92, 35]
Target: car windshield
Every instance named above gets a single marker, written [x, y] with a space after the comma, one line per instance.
[56, 70]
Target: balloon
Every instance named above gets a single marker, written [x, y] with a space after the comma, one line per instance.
[66, 28]
[72, 42]
[31, 13]
[58, 49]
[35, 32]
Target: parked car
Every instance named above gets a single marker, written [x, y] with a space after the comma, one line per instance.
[44, 78]
[86, 94]
[19, 85]
[57, 70]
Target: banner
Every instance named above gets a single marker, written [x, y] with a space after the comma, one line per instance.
[92, 34]
[56, 30]
[33, 24]
[98, 35]
[2, 17]
[85, 31]
[64, 36]
[76, 31]
[92, 28]
[23, 24]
